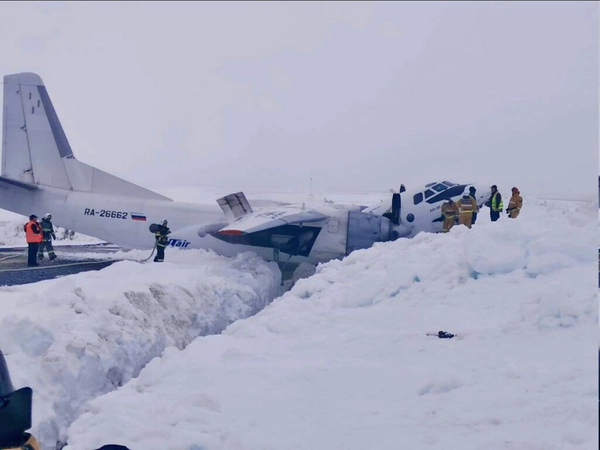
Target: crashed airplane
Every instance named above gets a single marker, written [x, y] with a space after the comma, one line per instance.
[40, 173]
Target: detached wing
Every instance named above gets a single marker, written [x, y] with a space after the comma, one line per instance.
[289, 215]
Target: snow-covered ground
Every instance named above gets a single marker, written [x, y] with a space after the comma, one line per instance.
[74, 338]
[13, 235]
[342, 360]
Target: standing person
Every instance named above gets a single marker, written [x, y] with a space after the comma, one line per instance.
[47, 236]
[466, 206]
[515, 204]
[33, 235]
[472, 192]
[449, 213]
[161, 241]
[495, 204]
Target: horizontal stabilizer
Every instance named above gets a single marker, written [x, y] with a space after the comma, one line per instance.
[290, 215]
[235, 205]
[28, 186]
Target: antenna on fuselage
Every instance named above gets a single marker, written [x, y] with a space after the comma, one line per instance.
[310, 194]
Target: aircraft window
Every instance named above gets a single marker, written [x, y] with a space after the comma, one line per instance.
[447, 183]
[439, 187]
[428, 193]
[430, 184]
[410, 217]
[418, 198]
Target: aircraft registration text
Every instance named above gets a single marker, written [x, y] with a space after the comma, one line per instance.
[105, 213]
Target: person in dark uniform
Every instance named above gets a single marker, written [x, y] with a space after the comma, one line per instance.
[47, 236]
[33, 235]
[161, 241]
[15, 413]
[472, 192]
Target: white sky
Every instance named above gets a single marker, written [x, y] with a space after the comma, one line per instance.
[358, 96]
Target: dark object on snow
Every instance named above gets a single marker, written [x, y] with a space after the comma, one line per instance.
[113, 447]
[15, 410]
[445, 335]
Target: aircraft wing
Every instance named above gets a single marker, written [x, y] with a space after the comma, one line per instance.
[252, 223]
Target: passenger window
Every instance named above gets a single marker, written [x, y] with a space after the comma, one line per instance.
[439, 187]
[428, 193]
[418, 198]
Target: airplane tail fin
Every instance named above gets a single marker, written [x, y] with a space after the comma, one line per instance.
[35, 149]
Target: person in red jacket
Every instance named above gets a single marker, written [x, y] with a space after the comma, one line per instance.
[33, 235]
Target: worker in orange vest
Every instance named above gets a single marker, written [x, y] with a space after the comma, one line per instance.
[33, 235]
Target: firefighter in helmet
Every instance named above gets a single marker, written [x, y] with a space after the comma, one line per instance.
[466, 207]
[161, 240]
[515, 204]
[449, 214]
[47, 236]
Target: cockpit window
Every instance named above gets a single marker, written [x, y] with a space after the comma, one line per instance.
[418, 198]
[448, 183]
[430, 184]
[439, 187]
[428, 193]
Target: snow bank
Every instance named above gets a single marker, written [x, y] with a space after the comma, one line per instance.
[13, 235]
[74, 338]
[343, 359]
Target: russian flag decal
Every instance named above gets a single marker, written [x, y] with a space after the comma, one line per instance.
[138, 216]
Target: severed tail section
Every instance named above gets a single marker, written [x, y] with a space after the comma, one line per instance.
[35, 149]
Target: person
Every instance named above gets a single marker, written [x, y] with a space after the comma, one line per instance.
[161, 241]
[15, 413]
[472, 192]
[495, 204]
[47, 236]
[466, 206]
[33, 236]
[449, 213]
[515, 204]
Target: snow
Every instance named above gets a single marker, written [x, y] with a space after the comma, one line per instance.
[13, 235]
[342, 360]
[88, 334]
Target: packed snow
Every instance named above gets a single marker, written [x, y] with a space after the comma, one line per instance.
[12, 234]
[74, 338]
[342, 360]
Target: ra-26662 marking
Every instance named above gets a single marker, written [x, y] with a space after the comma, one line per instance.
[106, 213]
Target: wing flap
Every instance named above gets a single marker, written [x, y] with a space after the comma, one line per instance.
[252, 223]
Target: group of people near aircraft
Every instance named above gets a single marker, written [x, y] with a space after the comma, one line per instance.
[464, 211]
[39, 237]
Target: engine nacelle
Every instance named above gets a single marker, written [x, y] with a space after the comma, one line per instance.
[364, 229]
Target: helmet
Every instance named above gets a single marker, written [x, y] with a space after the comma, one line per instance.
[494, 187]
[33, 216]
[165, 222]
[47, 216]
[466, 193]
[515, 191]
[472, 190]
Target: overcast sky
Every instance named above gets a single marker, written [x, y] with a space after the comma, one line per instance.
[358, 96]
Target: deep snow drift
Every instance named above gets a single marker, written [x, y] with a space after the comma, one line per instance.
[342, 361]
[74, 338]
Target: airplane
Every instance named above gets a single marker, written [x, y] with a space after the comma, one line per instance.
[40, 173]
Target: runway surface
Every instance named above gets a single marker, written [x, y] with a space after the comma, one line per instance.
[14, 269]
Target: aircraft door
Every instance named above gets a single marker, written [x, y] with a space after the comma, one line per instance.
[364, 229]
